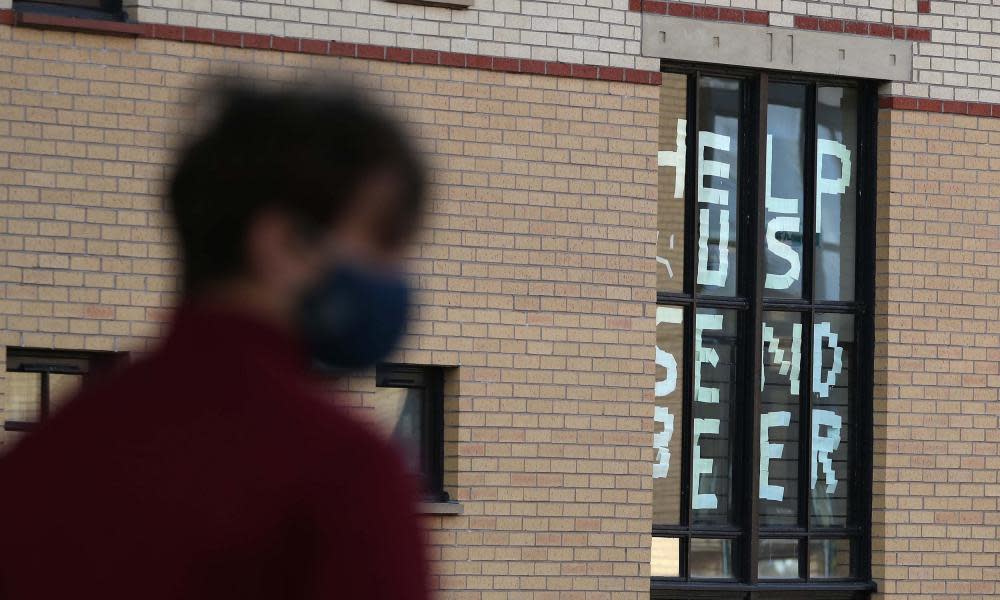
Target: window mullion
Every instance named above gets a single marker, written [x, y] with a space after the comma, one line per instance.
[753, 243]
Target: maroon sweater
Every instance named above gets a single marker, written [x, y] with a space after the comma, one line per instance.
[214, 469]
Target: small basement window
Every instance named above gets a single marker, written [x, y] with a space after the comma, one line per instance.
[409, 408]
[87, 9]
[39, 382]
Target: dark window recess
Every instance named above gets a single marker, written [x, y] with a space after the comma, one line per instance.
[84, 9]
[39, 382]
[764, 336]
[409, 407]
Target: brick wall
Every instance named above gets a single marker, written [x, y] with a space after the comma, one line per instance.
[537, 274]
[937, 443]
[595, 32]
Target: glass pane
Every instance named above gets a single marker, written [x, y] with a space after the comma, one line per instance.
[665, 557]
[718, 176]
[711, 558]
[24, 397]
[829, 559]
[832, 378]
[836, 192]
[714, 393]
[398, 413]
[785, 189]
[62, 387]
[781, 364]
[9, 439]
[778, 559]
[672, 161]
[668, 416]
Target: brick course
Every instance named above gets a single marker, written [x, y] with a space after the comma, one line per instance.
[595, 32]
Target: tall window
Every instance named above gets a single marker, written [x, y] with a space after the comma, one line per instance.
[765, 258]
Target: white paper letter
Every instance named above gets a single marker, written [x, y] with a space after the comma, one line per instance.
[824, 446]
[710, 195]
[770, 451]
[676, 158]
[712, 168]
[830, 186]
[821, 386]
[771, 345]
[706, 276]
[702, 465]
[782, 250]
[661, 441]
[786, 206]
[666, 386]
[705, 355]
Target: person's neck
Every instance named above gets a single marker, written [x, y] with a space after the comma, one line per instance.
[250, 300]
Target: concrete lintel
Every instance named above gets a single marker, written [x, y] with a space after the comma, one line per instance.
[779, 48]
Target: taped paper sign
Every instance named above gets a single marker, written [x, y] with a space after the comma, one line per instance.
[772, 348]
[667, 385]
[836, 186]
[710, 195]
[705, 355]
[664, 261]
[702, 466]
[676, 158]
[825, 445]
[783, 251]
[821, 386]
[769, 451]
[661, 441]
[787, 206]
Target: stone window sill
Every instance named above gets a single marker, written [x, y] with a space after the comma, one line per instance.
[441, 508]
[27, 18]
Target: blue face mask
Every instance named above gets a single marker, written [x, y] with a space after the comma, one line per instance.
[354, 317]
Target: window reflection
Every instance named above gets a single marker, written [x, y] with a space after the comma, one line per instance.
[668, 417]
[398, 413]
[836, 168]
[672, 160]
[718, 189]
[778, 559]
[711, 559]
[784, 189]
[832, 374]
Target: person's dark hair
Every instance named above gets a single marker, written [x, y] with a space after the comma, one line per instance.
[302, 151]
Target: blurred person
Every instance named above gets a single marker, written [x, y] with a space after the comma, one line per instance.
[216, 468]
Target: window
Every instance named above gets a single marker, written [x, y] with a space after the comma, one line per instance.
[94, 9]
[764, 343]
[409, 408]
[39, 382]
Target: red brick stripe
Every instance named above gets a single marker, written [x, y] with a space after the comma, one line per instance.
[954, 107]
[332, 48]
[917, 34]
[761, 17]
[700, 11]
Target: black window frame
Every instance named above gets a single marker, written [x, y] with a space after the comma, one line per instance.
[750, 304]
[430, 380]
[52, 361]
[105, 10]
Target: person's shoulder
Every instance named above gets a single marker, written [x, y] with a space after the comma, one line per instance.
[326, 425]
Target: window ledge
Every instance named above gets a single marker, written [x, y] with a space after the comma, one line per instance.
[441, 508]
[23, 18]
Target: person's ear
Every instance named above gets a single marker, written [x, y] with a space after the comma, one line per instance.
[277, 256]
